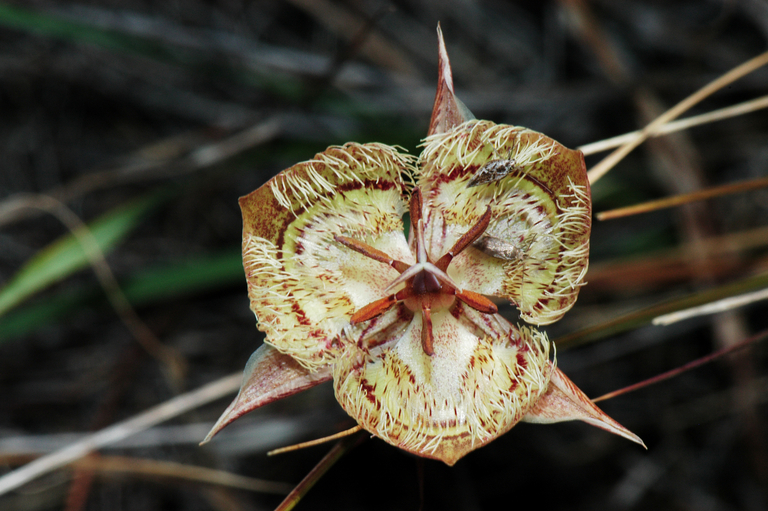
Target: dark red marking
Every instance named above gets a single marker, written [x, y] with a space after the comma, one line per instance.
[303, 319]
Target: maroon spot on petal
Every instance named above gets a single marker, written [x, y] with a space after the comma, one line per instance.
[300, 316]
[380, 184]
[368, 389]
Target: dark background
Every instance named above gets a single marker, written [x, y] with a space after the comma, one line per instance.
[189, 104]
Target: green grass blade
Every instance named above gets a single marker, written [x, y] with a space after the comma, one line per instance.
[53, 26]
[186, 277]
[66, 256]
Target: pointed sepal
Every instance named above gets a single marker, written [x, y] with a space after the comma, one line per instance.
[564, 401]
[269, 375]
[448, 110]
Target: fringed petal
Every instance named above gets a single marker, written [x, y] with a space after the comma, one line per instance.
[483, 377]
[303, 285]
[535, 251]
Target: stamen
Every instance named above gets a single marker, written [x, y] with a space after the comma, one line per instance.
[373, 309]
[421, 255]
[369, 251]
[469, 237]
[424, 281]
[477, 301]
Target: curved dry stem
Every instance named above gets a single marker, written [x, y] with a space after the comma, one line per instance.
[166, 469]
[167, 158]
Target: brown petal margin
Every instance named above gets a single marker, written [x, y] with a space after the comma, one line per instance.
[535, 251]
[269, 375]
[564, 401]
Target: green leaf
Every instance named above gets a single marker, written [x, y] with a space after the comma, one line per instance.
[66, 256]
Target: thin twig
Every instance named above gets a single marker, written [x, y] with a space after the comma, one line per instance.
[317, 441]
[685, 367]
[316, 473]
[685, 198]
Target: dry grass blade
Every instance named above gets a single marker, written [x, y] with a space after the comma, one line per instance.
[311, 443]
[166, 469]
[646, 315]
[160, 413]
[686, 367]
[615, 157]
[680, 125]
[723, 305]
[686, 198]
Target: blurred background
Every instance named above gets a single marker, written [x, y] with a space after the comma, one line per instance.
[147, 120]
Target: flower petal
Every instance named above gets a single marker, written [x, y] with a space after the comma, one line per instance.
[303, 285]
[269, 375]
[483, 377]
[535, 251]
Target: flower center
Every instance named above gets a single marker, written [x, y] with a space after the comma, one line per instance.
[427, 286]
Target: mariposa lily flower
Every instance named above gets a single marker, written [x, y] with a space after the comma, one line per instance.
[417, 352]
